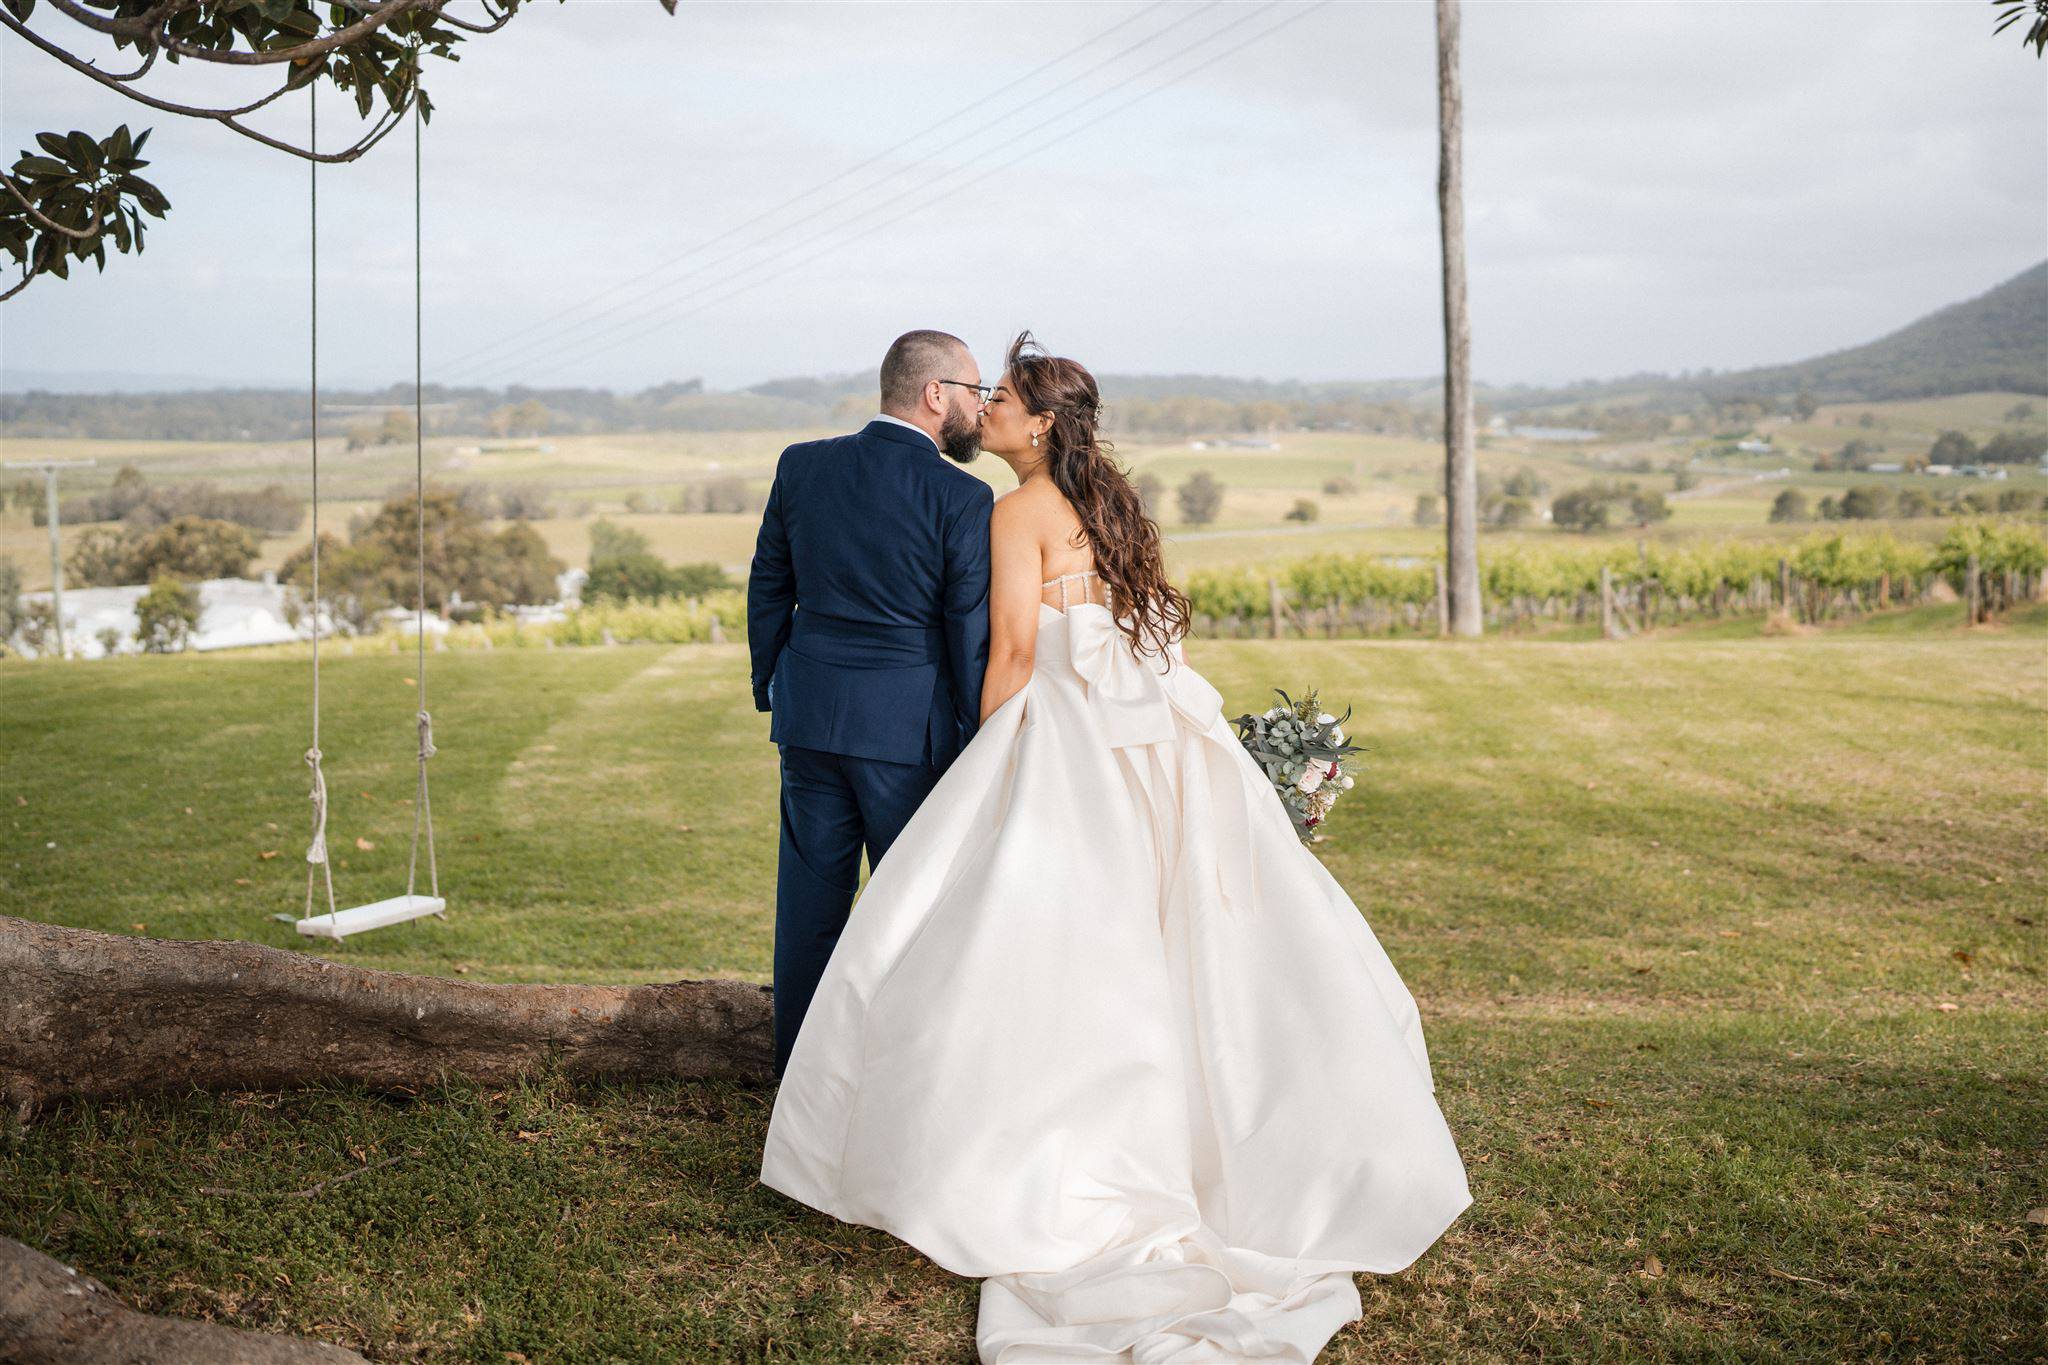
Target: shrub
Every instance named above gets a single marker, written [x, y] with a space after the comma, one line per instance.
[166, 615]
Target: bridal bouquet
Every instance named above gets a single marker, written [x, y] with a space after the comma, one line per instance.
[1303, 751]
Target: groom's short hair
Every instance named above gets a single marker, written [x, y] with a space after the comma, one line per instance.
[914, 360]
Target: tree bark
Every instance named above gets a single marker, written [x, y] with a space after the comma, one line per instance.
[52, 1315]
[93, 1015]
[1461, 498]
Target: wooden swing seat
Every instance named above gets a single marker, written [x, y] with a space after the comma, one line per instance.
[395, 910]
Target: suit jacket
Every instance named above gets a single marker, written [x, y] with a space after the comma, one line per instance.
[867, 603]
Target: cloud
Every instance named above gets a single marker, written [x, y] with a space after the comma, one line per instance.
[1660, 186]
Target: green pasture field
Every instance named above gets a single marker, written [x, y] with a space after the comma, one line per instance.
[1730, 954]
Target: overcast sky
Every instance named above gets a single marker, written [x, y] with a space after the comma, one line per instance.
[1235, 188]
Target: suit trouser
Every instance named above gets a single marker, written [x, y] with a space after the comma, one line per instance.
[833, 805]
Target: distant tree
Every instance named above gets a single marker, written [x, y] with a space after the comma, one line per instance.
[1152, 493]
[1648, 506]
[1976, 501]
[1580, 509]
[463, 560]
[397, 428]
[109, 638]
[524, 502]
[166, 615]
[1524, 483]
[2015, 500]
[1805, 405]
[1866, 419]
[637, 501]
[1514, 510]
[1339, 487]
[1866, 502]
[1914, 502]
[609, 540]
[1200, 498]
[1428, 510]
[10, 601]
[1829, 509]
[189, 547]
[635, 574]
[2015, 447]
[728, 494]
[98, 558]
[1789, 505]
[1304, 509]
[1952, 447]
[1683, 478]
[2020, 412]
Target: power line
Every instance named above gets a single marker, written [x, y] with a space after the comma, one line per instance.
[924, 201]
[1202, 65]
[466, 359]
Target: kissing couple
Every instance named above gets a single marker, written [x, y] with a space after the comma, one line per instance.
[1101, 1031]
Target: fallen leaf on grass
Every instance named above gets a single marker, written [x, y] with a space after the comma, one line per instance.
[1948, 1007]
[364, 844]
[1963, 956]
[241, 881]
[2037, 1216]
[267, 854]
[1653, 1267]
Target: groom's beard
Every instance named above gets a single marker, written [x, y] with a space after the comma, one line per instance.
[960, 437]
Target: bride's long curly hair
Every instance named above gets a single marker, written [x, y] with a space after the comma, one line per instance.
[1124, 540]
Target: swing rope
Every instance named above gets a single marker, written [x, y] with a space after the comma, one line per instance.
[316, 854]
[422, 809]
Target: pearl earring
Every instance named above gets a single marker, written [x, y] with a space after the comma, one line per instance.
[1034, 440]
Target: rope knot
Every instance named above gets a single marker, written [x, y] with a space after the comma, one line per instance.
[427, 749]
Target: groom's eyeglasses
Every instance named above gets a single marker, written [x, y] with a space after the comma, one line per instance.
[987, 391]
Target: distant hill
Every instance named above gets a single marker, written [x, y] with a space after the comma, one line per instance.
[1996, 342]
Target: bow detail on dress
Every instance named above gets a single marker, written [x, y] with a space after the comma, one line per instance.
[1131, 698]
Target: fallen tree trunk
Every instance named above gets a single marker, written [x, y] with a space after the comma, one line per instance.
[96, 1015]
[52, 1315]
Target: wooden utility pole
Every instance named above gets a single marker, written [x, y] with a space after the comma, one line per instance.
[1461, 494]
[50, 468]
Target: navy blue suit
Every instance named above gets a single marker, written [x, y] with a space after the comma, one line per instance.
[867, 616]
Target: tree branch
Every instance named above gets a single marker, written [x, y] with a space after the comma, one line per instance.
[99, 213]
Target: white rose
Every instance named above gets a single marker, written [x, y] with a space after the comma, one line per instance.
[1325, 718]
[1311, 778]
[1337, 735]
[1345, 784]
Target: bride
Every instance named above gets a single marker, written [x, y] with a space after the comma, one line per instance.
[1101, 1031]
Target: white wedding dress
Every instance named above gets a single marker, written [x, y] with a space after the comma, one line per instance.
[1102, 1032]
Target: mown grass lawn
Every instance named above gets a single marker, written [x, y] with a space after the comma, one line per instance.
[1730, 951]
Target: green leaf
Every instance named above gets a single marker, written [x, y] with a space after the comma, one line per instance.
[42, 166]
[53, 144]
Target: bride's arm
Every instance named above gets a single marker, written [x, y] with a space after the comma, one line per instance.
[1015, 574]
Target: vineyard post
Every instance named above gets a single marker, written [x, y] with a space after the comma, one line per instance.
[1607, 631]
[1973, 592]
[1274, 604]
[1784, 583]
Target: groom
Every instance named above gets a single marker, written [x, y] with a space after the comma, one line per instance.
[867, 616]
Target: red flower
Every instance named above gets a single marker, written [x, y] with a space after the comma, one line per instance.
[1313, 821]
[1332, 772]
